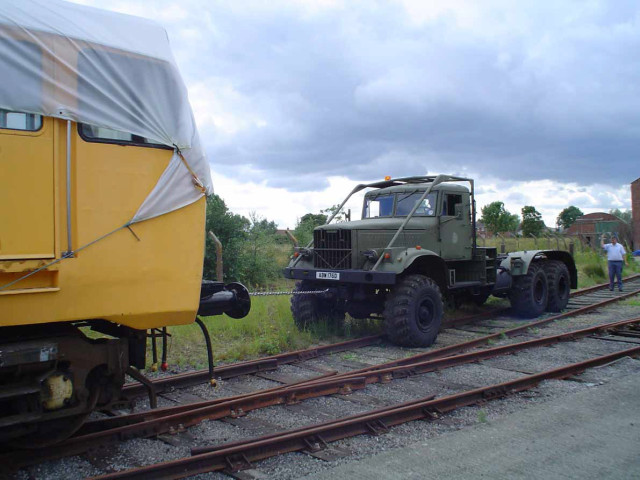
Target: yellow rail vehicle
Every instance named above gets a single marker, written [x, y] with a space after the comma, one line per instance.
[144, 277]
[102, 210]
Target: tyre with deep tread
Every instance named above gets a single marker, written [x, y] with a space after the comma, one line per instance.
[309, 309]
[559, 283]
[413, 312]
[529, 293]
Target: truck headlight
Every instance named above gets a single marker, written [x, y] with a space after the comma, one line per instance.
[371, 255]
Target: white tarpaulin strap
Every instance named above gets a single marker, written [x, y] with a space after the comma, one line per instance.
[54, 63]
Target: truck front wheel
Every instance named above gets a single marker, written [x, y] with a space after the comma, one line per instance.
[413, 312]
[308, 309]
[530, 292]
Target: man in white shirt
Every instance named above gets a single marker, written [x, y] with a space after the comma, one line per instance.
[615, 256]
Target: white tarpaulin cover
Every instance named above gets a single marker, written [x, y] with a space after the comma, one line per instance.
[106, 69]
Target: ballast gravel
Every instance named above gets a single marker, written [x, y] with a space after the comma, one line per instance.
[139, 452]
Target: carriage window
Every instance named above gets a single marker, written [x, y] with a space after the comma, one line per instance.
[29, 122]
[92, 133]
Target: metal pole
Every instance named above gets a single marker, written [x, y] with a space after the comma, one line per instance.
[69, 243]
[291, 237]
[219, 265]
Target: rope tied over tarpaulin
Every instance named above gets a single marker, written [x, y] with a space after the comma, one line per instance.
[196, 180]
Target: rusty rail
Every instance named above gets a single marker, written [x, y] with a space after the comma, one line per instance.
[480, 341]
[167, 419]
[240, 454]
[182, 380]
[179, 417]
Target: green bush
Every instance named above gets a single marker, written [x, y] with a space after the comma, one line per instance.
[594, 270]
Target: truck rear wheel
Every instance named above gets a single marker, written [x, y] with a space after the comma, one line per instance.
[559, 285]
[529, 293]
[308, 309]
[413, 312]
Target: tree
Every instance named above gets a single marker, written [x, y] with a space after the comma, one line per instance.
[232, 231]
[258, 260]
[497, 219]
[304, 228]
[625, 216]
[532, 223]
[568, 216]
[249, 251]
[340, 216]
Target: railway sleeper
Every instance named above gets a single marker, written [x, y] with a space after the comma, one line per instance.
[377, 427]
[315, 443]
[238, 462]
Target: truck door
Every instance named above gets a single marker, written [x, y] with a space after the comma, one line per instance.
[27, 193]
[455, 226]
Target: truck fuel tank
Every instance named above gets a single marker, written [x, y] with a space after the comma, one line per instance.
[503, 281]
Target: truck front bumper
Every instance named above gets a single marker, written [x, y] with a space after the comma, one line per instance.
[342, 276]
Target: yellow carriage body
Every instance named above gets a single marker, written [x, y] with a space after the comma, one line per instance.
[145, 277]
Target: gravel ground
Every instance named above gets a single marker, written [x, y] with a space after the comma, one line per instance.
[146, 451]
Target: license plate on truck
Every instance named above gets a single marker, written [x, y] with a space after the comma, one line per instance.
[327, 275]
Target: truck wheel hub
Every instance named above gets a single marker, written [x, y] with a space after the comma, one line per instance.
[425, 314]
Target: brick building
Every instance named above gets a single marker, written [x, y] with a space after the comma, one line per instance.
[591, 226]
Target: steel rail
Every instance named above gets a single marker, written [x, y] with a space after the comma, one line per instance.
[481, 341]
[188, 379]
[576, 293]
[130, 419]
[170, 419]
[601, 286]
[418, 367]
[178, 418]
[378, 421]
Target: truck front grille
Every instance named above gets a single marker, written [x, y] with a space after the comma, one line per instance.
[332, 249]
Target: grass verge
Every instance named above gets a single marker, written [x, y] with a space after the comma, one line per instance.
[269, 328]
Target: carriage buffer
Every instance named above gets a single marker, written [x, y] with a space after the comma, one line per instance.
[415, 248]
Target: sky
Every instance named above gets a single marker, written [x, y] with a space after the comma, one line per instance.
[298, 101]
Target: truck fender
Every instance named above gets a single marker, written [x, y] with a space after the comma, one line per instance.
[426, 262]
[518, 263]
[567, 259]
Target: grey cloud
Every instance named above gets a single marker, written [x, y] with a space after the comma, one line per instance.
[362, 91]
[517, 198]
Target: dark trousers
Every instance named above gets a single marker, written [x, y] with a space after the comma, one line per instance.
[615, 270]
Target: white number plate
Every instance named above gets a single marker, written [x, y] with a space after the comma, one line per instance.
[328, 275]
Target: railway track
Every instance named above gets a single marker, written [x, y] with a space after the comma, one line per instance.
[178, 418]
[579, 298]
[313, 438]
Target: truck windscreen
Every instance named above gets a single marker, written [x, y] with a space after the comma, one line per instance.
[380, 206]
[406, 202]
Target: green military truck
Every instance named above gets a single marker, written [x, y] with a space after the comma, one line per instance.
[415, 248]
